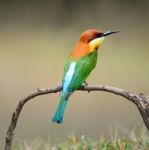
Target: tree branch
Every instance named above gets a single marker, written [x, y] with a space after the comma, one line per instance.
[141, 101]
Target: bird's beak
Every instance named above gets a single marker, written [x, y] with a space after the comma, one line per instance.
[109, 32]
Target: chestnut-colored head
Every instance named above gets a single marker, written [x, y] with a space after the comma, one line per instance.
[94, 38]
[90, 35]
[89, 41]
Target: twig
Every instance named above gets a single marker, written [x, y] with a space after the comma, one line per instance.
[140, 101]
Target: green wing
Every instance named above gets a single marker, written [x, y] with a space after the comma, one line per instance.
[83, 68]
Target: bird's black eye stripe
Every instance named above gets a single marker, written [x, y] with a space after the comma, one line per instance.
[95, 36]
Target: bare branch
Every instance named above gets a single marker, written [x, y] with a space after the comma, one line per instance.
[140, 101]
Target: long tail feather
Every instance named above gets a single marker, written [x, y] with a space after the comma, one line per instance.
[58, 116]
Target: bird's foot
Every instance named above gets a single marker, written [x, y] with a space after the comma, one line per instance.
[85, 83]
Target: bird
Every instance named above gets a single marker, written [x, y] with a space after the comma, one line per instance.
[80, 63]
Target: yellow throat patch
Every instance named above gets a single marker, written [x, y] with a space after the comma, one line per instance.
[96, 43]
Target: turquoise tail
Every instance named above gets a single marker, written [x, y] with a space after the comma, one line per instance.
[58, 116]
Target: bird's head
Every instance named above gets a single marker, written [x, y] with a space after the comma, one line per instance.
[89, 41]
[94, 38]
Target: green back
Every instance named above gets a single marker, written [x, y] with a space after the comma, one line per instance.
[84, 66]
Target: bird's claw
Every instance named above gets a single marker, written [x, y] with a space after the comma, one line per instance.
[85, 83]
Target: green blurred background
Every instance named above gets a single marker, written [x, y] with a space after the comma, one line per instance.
[36, 37]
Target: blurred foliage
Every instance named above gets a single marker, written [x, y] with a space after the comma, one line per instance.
[133, 141]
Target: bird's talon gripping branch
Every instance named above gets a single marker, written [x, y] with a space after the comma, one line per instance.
[85, 83]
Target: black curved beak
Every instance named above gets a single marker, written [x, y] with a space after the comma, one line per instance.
[109, 32]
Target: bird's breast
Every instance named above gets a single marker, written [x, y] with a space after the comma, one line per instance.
[80, 50]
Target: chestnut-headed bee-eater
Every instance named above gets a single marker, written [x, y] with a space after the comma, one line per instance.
[80, 63]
